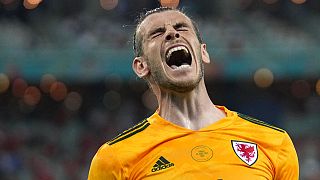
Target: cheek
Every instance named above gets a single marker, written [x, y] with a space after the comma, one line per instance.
[152, 51]
[152, 46]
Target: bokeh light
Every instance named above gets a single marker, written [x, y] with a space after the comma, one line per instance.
[300, 89]
[46, 81]
[263, 78]
[9, 5]
[169, 3]
[32, 96]
[18, 87]
[4, 83]
[298, 1]
[112, 100]
[73, 101]
[31, 4]
[6, 2]
[149, 100]
[318, 87]
[58, 91]
[34, 1]
[108, 4]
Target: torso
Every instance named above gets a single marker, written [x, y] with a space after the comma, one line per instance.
[166, 151]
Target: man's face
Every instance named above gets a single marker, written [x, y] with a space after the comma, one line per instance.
[172, 50]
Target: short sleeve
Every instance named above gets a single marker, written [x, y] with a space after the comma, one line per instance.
[105, 165]
[287, 167]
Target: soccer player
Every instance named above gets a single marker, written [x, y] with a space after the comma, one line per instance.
[188, 137]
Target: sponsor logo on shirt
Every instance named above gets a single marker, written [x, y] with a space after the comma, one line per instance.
[161, 164]
[246, 151]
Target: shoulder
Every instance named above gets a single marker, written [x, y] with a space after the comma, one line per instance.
[110, 159]
[254, 122]
[264, 134]
[277, 143]
[105, 164]
[275, 138]
[130, 133]
[117, 146]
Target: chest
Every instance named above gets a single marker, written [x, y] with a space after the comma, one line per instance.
[203, 157]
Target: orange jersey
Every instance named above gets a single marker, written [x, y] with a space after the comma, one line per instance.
[235, 147]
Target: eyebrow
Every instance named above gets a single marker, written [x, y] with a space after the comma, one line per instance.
[180, 24]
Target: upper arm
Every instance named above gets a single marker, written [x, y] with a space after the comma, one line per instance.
[287, 167]
[105, 165]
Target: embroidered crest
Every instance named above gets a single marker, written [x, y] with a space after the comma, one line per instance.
[246, 151]
[201, 153]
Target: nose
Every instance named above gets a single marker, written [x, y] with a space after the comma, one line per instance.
[172, 35]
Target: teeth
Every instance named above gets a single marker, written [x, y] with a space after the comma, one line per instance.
[177, 49]
[183, 66]
[174, 67]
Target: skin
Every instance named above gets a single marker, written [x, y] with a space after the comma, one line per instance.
[181, 94]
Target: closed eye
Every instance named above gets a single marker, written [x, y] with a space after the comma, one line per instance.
[156, 35]
[157, 32]
[181, 27]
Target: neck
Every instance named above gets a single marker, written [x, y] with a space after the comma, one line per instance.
[192, 110]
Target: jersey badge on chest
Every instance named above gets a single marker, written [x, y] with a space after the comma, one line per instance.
[246, 151]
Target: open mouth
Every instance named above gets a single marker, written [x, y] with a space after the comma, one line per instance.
[178, 57]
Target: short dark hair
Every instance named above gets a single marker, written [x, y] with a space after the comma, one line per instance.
[137, 47]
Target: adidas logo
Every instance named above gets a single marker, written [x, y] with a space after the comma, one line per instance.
[161, 164]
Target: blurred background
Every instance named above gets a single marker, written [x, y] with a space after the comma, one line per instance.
[66, 83]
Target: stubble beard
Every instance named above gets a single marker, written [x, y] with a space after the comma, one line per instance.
[164, 82]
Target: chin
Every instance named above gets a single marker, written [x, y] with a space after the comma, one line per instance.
[182, 87]
[177, 85]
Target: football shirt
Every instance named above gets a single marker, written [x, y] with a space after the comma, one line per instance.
[235, 147]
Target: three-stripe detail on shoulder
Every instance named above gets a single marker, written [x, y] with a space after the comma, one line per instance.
[130, 132]
[259, 122]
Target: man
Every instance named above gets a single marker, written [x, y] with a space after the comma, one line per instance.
[188, 137]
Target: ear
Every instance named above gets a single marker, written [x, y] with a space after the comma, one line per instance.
[205, 54]
[140, 67]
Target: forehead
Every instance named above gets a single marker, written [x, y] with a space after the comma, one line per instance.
[161, 19]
